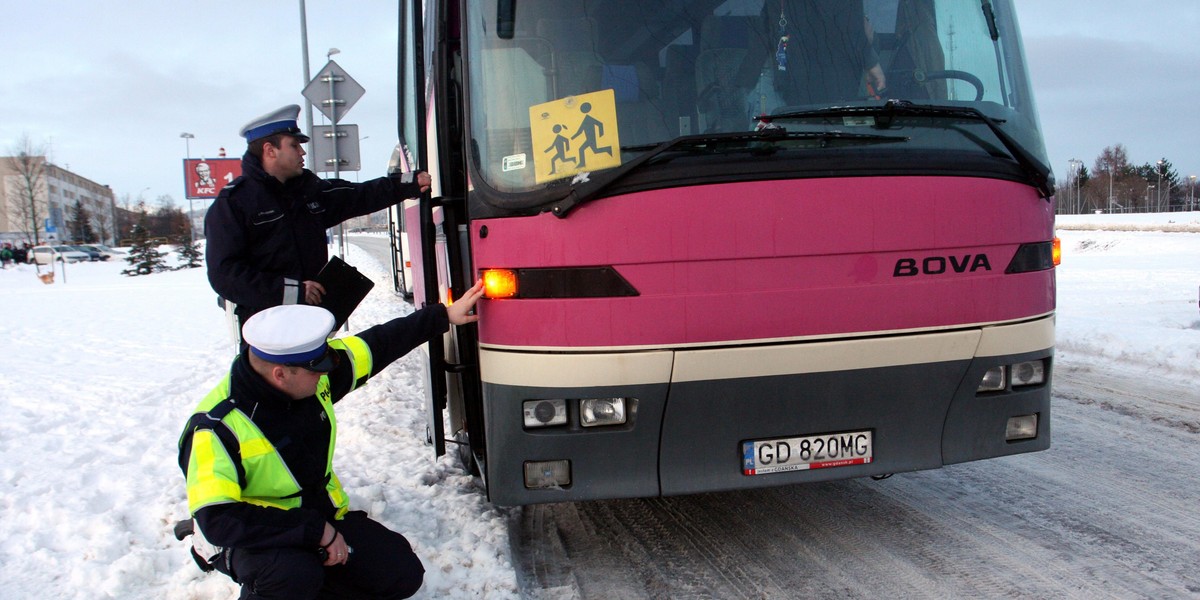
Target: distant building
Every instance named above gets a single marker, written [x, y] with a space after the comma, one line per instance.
[57, 190]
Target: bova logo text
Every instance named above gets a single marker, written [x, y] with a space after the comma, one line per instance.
[938, 265]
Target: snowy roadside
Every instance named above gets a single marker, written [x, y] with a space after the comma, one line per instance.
[1127, 293]
[100, 372]
[1181, 222]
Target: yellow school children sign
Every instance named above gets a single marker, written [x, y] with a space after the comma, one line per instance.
[574, 135]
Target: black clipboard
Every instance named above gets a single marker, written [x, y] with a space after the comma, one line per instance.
[345, 288]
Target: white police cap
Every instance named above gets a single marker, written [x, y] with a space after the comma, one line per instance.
[292, 334]
[280, 121]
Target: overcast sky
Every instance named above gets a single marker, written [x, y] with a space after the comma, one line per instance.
[108, 87]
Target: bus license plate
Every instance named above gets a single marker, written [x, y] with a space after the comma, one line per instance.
[809, 452]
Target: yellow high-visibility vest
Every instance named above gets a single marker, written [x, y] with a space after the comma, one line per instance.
[224, 438]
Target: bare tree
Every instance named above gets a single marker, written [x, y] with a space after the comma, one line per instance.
[102, 224]
[124, 217]
[1122, 186]
[28, 198]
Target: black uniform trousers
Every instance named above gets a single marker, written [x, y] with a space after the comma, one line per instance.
[382, 566]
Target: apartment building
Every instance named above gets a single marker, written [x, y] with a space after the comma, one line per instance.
[57, 191]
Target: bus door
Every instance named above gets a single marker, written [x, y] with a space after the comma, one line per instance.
[437, 224]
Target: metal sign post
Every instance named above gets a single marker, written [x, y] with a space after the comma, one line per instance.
[338, 147]
[332, 91]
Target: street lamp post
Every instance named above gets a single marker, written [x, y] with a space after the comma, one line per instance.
[304, 56]
[1110, 183]
[187, 142]
[1158, 190]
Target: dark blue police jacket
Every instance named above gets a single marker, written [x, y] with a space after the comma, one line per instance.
[264, 235]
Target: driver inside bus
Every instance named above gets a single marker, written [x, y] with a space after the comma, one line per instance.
[817, 50]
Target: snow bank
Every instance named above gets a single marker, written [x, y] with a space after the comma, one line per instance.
[101, 371]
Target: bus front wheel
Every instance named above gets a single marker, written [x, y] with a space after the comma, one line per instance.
[466, 456]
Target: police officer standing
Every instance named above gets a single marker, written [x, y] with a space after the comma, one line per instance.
[266, 230]
[269, 511]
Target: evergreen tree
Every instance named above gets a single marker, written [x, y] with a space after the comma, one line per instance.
[81, 224]
[189, 249]
[189, 252]
[144, 257]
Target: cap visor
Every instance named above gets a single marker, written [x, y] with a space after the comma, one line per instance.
[323, 365]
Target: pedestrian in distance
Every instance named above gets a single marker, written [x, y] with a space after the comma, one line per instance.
[268, 509]
[266, 230]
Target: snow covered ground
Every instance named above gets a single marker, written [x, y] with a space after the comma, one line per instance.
[101, 370]
[1127, 291]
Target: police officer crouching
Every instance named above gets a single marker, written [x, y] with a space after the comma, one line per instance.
[257, 453]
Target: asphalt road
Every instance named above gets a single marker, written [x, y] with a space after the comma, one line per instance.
[1110, 511]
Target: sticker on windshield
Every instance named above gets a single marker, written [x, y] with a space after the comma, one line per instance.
[858, 121]
[514, 162]
[574, 135]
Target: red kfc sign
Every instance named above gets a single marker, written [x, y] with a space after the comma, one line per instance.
[204, 177]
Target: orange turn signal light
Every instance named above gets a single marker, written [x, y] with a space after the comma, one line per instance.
[499, 283]
[1057, 251]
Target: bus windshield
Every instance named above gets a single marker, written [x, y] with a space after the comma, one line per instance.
[564, 88]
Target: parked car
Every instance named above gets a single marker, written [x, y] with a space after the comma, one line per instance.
[93, 255]
[104, 251]
[44, 255]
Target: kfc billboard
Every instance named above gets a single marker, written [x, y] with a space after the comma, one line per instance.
[204, 177]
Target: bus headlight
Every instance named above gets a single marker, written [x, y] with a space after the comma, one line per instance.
[1028, 373]
[594, 412]
[993, 380]
[544, 413]
[996, 379]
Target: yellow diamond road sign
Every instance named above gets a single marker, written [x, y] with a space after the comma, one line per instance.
[574, 135]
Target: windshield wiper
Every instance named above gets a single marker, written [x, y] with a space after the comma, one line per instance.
[588, 189]
[1038, 174]
[777, 134]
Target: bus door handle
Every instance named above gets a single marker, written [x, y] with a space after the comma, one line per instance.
[456, 368]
